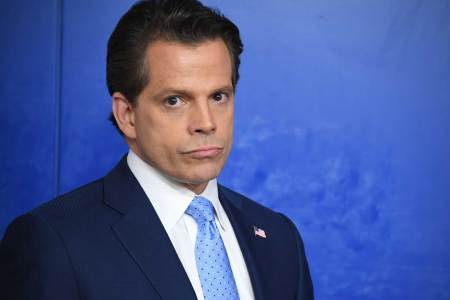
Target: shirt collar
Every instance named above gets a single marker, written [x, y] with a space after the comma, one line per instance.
[169, 198]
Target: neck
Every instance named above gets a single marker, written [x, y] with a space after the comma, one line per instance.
[196, 188]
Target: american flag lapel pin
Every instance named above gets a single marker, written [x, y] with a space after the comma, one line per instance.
[259, 232]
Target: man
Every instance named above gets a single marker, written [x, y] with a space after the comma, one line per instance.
[158, 226]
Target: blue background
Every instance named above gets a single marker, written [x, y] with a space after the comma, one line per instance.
[342, 123]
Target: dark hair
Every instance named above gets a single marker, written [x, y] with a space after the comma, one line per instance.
[185, 21]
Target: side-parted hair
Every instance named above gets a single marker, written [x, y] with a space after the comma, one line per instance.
[184, 21]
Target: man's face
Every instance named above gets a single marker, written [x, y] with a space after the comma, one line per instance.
[183, 120]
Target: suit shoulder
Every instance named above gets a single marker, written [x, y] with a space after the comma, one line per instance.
[76, 201]
[32, 251]
[259, 212]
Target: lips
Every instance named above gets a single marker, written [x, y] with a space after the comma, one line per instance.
[204, 152]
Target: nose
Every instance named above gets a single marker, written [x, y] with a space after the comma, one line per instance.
[202, 121]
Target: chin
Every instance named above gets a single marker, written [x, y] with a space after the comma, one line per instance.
[201, 178]
[202, 174]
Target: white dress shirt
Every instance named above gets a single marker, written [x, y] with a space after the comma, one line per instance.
[170, 201]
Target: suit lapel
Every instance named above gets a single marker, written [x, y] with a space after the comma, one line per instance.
[141, 233]
[143, 236]
[243, 227]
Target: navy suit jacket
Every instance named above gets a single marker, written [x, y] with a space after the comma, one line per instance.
[105, 241]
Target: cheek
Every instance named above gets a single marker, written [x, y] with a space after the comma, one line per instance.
[151, 137]
[227, 127]
[164, 140]
[161, 142]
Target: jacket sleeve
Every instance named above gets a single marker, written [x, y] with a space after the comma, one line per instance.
[34, 263]
[305, 286]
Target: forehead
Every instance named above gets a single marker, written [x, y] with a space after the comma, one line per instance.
[184, 64]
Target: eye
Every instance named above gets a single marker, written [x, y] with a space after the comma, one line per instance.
[220, 97]
[173, 101]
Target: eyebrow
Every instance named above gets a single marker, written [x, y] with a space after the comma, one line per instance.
[226, 88]
[175, 91]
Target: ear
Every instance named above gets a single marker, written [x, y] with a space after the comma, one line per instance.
[124, 114]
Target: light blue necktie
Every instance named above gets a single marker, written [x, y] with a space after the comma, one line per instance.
[214, 270]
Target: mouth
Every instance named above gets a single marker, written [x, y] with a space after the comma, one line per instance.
[204, 152]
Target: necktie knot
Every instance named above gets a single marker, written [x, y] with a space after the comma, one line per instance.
[201, 209]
